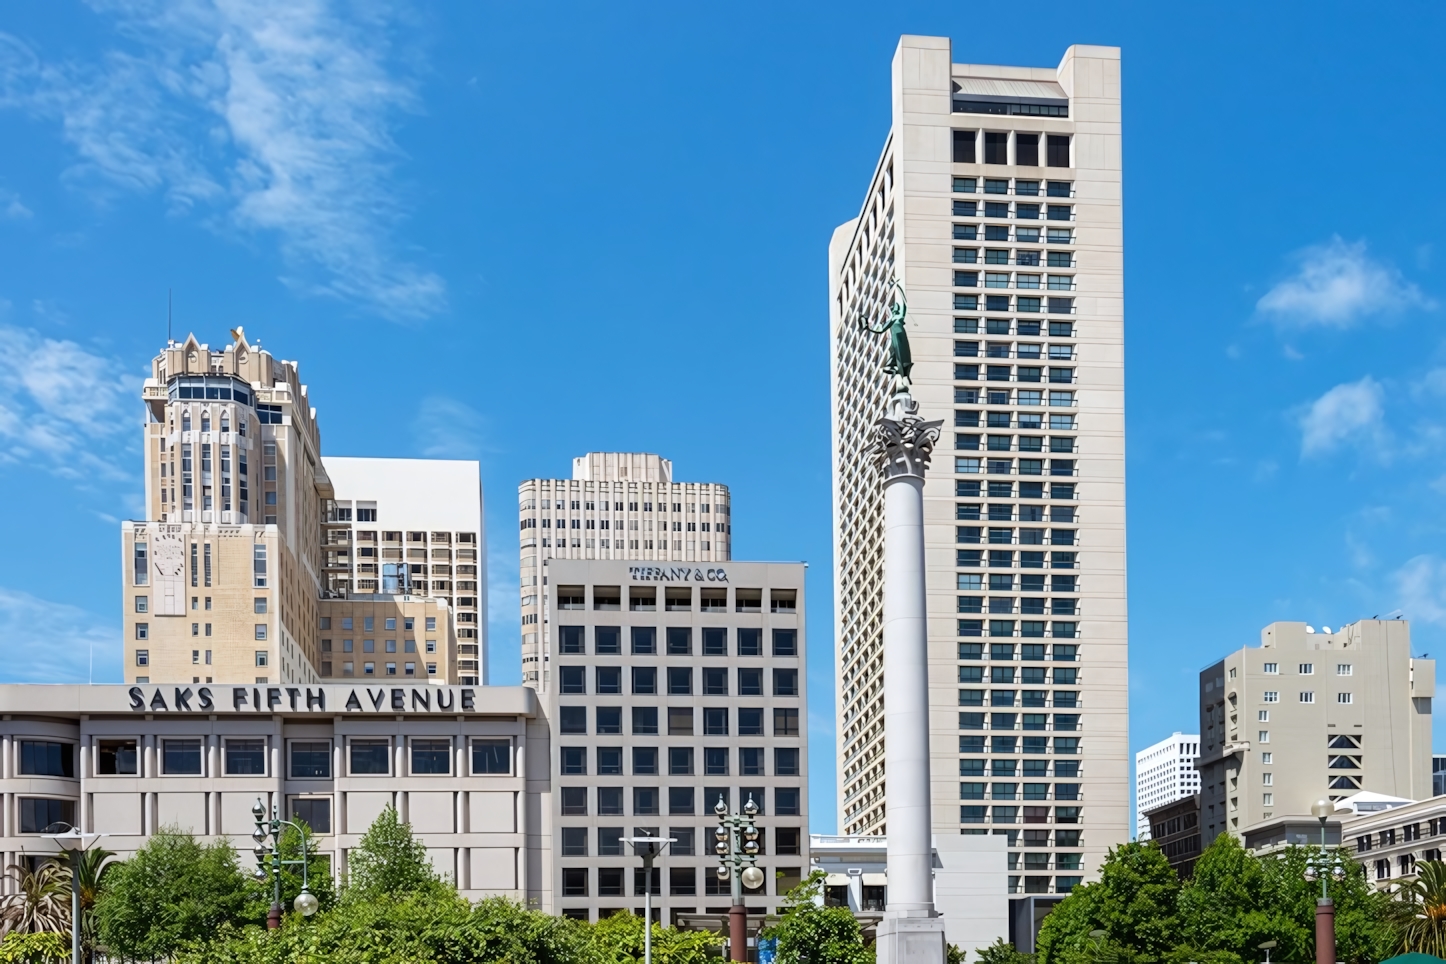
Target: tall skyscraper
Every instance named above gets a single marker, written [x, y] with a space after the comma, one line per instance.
[248, 567]
[1164, 773]
[1313, 714]
[995, 203]
[617, 505]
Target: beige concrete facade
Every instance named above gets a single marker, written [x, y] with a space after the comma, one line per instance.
[243, 563]
[467, 767]
[1312, 714]
[996, 203]
[673, 685]
[617, 505]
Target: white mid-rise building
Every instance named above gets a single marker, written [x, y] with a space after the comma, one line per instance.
[1164, 773]
[996, 205]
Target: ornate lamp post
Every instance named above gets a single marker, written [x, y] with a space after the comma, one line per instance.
[737, 850]
[650, 849]
[74, 843]
[305, 903]
[1324, 866]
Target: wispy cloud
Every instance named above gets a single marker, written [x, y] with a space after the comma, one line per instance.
[1336, 285]
[1353, 412]
[448, 429]
[11, 208]
[1421, 589]
[63, 407]
[276, 113]
[49, 642]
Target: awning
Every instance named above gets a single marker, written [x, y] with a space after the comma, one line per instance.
[876, 880]
[837, 880]
[1027, 91]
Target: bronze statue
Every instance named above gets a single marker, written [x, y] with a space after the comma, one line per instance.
[899, 362]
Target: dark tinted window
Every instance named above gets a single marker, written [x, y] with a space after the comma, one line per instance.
[715, 681]
[785, 642]
[785, 722]
[785, 762]
[750, 721]
[680, 680]
[750, 682]
[715, 721]
[181, 757]
[964, 147]
[574, 844]
[38, 814]
[609, 761]
[574, 801]
[750, 642]
[315, 812]
[750, 761]
[572, 679]
[645, 679]
[609, 679]
[370, 756]
[574, 881]
[785, 801]
[491, 756]
[570, 639]
[1026, 150]
[609, 719]
[645, 761]
[645, 720]
[715, 761]
[246, 757]
[785, 682]
[645, 801]
[996, 148]
[116, 757]
[680, 641]
[572, 719]
[715, 642]
[1058, 150]
[645, 640]
[607, 640]
[431, 756]
[680, 721]
[680, 800]
[574, 760]
[46, 759]
[680, 761]
[609, 803]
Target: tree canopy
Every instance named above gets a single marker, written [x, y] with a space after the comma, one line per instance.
[807, 931]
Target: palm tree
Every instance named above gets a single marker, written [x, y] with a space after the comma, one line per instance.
[40, 904]
[92, 867]
[1421, 910]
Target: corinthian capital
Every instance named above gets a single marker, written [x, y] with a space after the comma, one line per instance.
[904, 442]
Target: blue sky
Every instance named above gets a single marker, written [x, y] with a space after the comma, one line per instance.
[520, 232]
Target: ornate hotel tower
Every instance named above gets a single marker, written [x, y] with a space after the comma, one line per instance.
[995, 203]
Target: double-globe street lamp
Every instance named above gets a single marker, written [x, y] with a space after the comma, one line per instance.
[737, 850]
[305, 903]
[1324, 867]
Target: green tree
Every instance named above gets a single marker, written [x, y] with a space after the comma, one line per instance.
[37, 948]
[618, 939]
[172, 893]
[1363, 927]
[389, 862]
[1419, 911]
[1000, 952]
[93, 865]
[261, 891]
[1227, 905]
[808, 931]
[1133, 902]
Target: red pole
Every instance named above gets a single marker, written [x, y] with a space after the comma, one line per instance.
[1325, 931]
[738, 933]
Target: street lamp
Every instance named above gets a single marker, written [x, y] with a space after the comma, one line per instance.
[650, 849]
[737, 850]
[1324, 866]
[1267, 947]
[305, 903]
[74, 843]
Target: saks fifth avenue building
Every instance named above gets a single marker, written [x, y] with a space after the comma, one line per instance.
[468, 767]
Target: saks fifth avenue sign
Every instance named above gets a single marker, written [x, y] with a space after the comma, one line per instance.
[675, 574]
[303, 699]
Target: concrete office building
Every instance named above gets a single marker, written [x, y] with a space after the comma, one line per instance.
[426, 515]
[673, 685]
[1164, 773]
[1313, 714]
[617, 505]
[1175, 827]
[243, 567]
[467, 767]
[995, 203]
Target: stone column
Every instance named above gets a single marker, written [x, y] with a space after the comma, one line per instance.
[1325, 931]
[911, 929]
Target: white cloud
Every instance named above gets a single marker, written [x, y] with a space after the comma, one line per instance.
[1353, 412]
[448, 429]
[11, 207]
[1338, 284]
[49, 642]
[1421, 589]
[63, 408]
[277, 112]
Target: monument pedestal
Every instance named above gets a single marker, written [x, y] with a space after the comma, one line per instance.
[911, 940]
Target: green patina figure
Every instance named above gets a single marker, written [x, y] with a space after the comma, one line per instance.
[899, 362]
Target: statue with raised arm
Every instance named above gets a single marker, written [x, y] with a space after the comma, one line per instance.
[899, 362]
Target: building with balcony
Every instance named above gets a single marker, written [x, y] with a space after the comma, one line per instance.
[995, 203]
[1164, 773]
[1310, 715]
[247, 566]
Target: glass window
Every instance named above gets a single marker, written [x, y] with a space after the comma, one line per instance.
[491, 756]
[310, 759]
[245, 757]
[46, 759]
[645, 761]
[680, 680]
[116, 757]
[314, 812]
[181, 757]
[750, 682]
[785, 642]
[645, 720]
[431, 756]
[785, 682]
[750, 642]
[715, 642]
[40, 814]
[572, 719]
[645, 679]
[645, 640]
[750, 721]
[370, 757]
